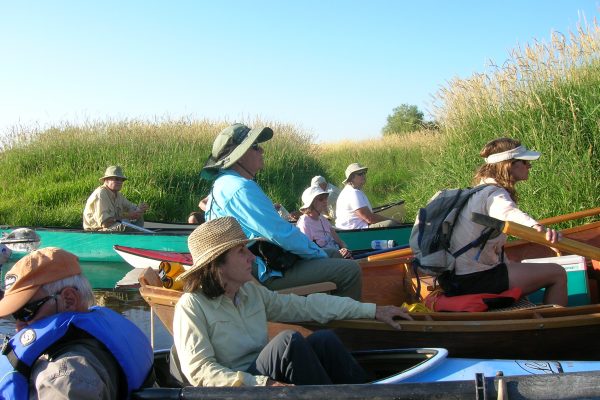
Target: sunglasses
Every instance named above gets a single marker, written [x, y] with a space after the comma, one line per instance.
[29, 310]
[525, 162]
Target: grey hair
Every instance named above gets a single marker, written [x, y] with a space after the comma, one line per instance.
[77, 281]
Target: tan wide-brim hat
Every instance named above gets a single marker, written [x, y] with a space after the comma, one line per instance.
[36, 269]
[352, 168]
[114, 171]
[213, 238]
[230, 145]
[309, 195]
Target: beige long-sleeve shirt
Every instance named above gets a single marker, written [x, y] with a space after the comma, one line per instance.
[104, 204]
[497, 203]
[218, 340]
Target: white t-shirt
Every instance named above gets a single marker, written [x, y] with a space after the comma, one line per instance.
[348, 202]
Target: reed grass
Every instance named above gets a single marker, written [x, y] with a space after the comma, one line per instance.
[546, 94]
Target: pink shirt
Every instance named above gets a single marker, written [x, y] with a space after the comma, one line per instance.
[317, 230]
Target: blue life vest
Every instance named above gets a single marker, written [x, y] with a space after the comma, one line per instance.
[125, 341]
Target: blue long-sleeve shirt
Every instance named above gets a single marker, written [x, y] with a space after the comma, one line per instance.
[235, 196]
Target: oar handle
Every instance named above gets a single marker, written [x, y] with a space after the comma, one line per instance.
[571, 216]
[391, 254]
[530, 234]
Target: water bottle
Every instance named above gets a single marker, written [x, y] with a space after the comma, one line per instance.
[382, 244]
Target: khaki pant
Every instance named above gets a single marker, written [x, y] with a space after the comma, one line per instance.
[344, 273]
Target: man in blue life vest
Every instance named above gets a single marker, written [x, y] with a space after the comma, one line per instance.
[66, 348]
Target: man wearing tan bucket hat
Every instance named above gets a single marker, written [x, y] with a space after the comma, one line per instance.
[108, 210]
[235, 160]
[64, 347]
[220, 323]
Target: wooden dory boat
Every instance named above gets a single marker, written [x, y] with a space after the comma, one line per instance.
[538, 333]
[98, 246]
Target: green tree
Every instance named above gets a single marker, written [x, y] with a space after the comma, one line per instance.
[405, 118]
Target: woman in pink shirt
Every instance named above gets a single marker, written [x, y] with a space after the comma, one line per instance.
[485, 270]
[316, 227]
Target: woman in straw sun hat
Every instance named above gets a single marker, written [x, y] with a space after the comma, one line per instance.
[220, 323]
[237, 156]
[353, 209]
[316, 227]
[484, 270]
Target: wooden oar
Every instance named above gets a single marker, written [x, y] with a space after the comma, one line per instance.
[530, 234]
[547, 221]
[407, 252]
[570, 216]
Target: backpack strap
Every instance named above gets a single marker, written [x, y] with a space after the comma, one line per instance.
[479, 241]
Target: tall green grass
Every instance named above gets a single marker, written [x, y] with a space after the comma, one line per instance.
[546, 95]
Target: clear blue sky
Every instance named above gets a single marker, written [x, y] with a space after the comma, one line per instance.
[334, 68]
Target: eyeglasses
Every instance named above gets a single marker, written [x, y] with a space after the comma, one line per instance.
[28, 311]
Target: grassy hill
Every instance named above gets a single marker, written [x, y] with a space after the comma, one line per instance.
[546, 95]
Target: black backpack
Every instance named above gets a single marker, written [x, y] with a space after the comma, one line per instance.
[431, 234]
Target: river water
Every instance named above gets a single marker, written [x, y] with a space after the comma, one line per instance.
[127, 302]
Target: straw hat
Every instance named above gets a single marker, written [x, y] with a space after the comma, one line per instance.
[352, 168]
[230, 145]
[31, 272]
[114, 171]
[213, 238]
[309, 195]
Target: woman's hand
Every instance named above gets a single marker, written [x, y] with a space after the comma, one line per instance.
[345, 252]
[391, 315]
[552, 235]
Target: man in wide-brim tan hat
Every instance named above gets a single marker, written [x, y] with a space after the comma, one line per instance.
[108, 210]
[236, 158]
[220, 323]
[353, 209]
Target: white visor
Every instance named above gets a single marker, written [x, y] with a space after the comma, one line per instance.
[518, 153]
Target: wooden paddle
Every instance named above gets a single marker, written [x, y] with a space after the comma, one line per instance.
[547, 221]
[571, 216]
[530, 234]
